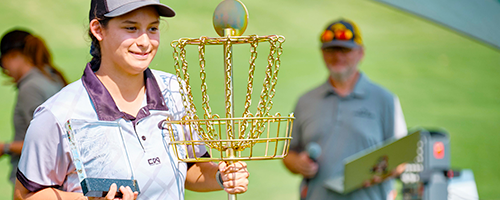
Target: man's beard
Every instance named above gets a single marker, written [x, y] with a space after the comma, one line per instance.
[343, 75]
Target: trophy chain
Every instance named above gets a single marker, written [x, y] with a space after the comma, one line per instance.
[231, 138]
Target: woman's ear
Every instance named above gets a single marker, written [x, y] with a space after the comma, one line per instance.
[96, 29]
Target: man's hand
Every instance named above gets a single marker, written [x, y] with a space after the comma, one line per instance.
[307, 167]
[378, 179]
[300, 163]
[373, 181]
[234, 177]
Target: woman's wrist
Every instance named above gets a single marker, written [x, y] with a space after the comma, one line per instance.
[6, 148]
[218, 177]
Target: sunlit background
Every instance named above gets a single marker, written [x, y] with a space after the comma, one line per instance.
[442, 78]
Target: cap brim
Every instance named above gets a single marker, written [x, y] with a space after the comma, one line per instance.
[163, 10]
[337, 43]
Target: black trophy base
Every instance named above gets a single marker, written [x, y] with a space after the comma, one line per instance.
[99, 187]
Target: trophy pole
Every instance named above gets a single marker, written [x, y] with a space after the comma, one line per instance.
[255, 135]
[228, 72]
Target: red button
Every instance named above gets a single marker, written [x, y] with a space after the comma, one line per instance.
[438, 150]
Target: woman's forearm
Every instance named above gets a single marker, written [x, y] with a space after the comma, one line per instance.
[201, 177]
[21, 193]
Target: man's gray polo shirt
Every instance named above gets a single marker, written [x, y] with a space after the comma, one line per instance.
[343, 126]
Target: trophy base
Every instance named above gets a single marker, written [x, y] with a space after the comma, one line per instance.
[99, 187]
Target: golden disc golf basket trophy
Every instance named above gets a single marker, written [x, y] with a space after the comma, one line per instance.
[255, 135]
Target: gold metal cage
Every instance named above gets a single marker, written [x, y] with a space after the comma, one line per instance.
[253, 136]
[273, 142]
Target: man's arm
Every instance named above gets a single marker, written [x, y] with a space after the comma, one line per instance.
[400, 129]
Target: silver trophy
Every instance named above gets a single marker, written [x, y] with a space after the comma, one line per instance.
[100, 156]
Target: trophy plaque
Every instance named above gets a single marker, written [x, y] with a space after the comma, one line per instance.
[100, 156]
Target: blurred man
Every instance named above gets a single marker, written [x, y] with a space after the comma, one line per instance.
[345, 115]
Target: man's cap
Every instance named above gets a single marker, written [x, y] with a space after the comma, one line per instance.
[15, 39]
[341, 33]
[115, 8]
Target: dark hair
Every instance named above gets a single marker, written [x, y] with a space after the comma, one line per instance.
[95, 48]
[33, 48]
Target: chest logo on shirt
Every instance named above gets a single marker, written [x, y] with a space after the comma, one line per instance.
[364, 113]
[154, 161]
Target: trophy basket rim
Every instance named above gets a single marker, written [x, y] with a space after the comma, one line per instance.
[273, 142]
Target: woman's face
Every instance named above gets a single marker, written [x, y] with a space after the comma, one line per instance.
[13, 63]
[129, 42]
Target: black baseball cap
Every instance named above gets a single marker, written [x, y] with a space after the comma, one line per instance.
[341, 33]
[115, 8]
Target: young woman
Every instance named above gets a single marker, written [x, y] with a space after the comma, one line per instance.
[26, 59]
[117, 86]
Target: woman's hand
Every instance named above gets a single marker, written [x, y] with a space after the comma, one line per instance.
[234, 177]
[127, 194]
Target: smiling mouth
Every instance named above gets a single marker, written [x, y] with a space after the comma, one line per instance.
[140, 55]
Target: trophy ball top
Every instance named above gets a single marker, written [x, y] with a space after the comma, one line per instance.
[230, 14]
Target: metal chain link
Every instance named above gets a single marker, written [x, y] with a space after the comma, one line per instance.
[268, 91]
[228, 64]
[254, 43]
[204, 95]
[262, 111]
[185, 88]
[277, 63]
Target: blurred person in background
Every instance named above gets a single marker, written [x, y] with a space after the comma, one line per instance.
[345, 115]
[27, 61]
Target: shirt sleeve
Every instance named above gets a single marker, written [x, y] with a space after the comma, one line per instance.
[199, 150]
[28, 99]
[400, 129]
[296, 141]
[43, 162]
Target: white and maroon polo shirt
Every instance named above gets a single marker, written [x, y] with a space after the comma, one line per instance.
[46, 160]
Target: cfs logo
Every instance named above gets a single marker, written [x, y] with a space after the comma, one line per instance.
[154, 161]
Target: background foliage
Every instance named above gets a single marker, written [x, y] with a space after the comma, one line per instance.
[443, 79]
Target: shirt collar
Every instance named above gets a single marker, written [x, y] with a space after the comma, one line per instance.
[360, 89]
[27, 76]
[104, 104]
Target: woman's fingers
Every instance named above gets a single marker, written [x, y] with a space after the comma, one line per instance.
[128, 194]
[236, 190]
[233, 167]
[112, 192]
[243, 182]
[234, 177]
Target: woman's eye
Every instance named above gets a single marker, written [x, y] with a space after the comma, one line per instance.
[153, 29]
[131, 28]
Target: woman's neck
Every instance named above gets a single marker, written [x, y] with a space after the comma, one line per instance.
[126, 89]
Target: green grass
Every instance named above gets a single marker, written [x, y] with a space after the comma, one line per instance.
[443, 79]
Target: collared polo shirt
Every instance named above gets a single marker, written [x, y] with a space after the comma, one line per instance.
[343, 126]
[46, 160]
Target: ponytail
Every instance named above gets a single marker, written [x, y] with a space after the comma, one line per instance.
[36, 50]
